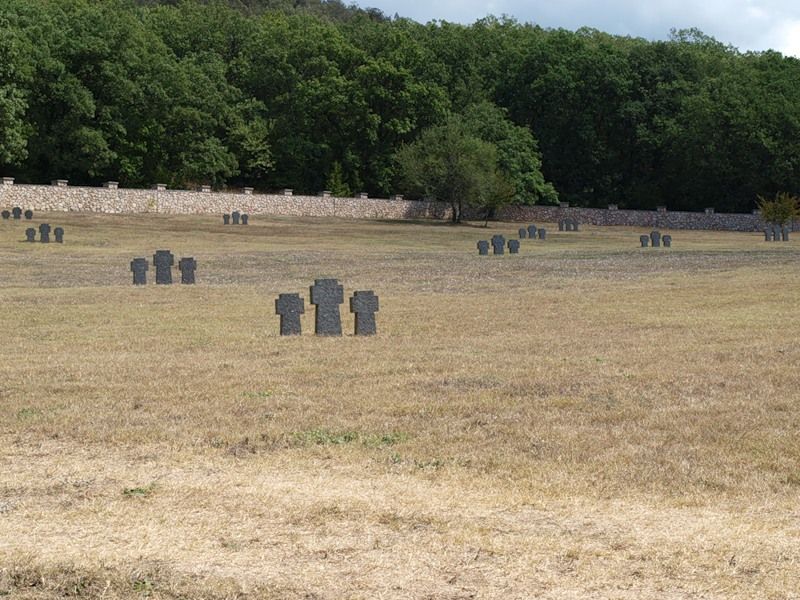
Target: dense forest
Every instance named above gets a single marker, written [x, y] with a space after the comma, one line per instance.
[319, 95]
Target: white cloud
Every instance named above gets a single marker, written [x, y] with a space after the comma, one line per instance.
[746, 24]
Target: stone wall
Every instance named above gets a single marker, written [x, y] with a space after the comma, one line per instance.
[111, 199]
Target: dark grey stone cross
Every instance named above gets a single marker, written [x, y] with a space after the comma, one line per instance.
[523, 233]
[59, 233]
[28, 214]
[187, 266]
[16, 212]
[532, 232]
[483, 248]
[290, 307]
[364, 304]
[226, 219]
[163, 260]
[327, 295]
[498, 244]
[235, 217]
[44, 233]
[30, 234]
[245, 218]
[6, 215]
[139, 267]
[513, 246]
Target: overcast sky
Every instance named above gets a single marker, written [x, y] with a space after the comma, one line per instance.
[746, 24]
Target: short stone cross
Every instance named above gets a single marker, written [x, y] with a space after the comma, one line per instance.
[6, 215]
[44, 233]
[327, 295]
[561, 225]
[16, 212]
[542, 233]
[785, 233]
[655, 239]
[776, 233]
[30, 234]
[532, 232]
[59, 233]
[290, 307]
[768, 234]
[245, 218]
[645, 240]
[364, 305]
[28, 214]
[139, 267]
[187, 266]
[163, 260]
[235, 217]
[576, 226]
[513, 246]
[483, 248]
[226, 219]
[498, 244]
[667, 241]
[523, 233]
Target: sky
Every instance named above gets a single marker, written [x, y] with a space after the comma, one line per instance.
[745, 24]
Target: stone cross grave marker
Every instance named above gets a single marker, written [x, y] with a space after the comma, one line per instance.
[785, 233]
[326, 296]
[163, 260]
[59, 233]
[226, 219]
[768, 234]
[245, 218]
[575, 225]
[139, 268]
[532, 232]
[290, 307]
[655, 239]
[523, 233]
[483, 248]
[30, 234]
[28, 214]
[645, 240]
[235, 217]
[6, 215]
[513, 246]
[667, 241]
[561, 224]
[776, 233]
[187, 266]
[44, 233]
[16, 212]
[498, 244]
[542, 233]
[364, 304]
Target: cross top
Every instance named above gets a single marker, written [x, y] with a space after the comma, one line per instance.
[163, 258]
[327, 291]
[365, 301]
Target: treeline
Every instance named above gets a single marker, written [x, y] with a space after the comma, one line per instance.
[317, 95]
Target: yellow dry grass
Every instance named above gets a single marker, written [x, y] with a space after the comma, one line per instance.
[586, 420]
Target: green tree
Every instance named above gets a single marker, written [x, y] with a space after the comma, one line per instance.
[780, 210]
[448, 164]
[336, 184]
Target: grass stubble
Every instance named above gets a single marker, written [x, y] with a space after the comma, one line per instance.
[586, 420]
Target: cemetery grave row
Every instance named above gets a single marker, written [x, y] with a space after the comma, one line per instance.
[44, 234]
[163, 261]
[326, 295]
[776, 233]
[655, 239]
[17, 214]
[236, 217]
[568, 225]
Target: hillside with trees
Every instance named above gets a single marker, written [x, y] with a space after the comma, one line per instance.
[313, 94]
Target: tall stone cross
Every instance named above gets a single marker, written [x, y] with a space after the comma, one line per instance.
[364, 305]
[523, 233]
[163, 260]
[59, 233]
[498, 244]
[290, 307]
[16, 212]
[226, 219]
[187, 266]
[235, 217]
[30, 234]
[139, 268]
[44, 233]
[532, 232]
[327, 295]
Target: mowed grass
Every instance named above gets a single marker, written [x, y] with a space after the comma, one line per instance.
[588, 419]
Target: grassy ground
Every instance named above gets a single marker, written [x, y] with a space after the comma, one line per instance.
[586, 420]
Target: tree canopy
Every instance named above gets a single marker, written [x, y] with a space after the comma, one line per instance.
[313, 93]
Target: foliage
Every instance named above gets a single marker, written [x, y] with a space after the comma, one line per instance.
[782, 209]
[302, 93]
[449, 164]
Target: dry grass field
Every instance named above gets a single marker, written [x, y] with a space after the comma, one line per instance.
[588, 419]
